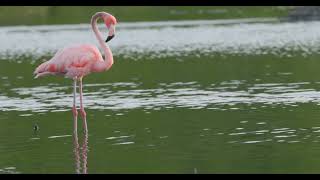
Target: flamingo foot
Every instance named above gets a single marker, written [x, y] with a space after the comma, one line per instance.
[84, 118]
[74, 111]
[83, 113]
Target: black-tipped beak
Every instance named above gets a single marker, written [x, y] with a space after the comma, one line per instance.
[109, 38]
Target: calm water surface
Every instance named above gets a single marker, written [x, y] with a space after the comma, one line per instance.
[236, 96]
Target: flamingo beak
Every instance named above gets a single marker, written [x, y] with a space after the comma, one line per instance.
[109, 38]
[112, 31]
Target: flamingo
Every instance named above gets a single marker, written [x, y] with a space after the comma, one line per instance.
[79, 60]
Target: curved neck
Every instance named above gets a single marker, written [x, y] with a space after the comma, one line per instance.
[108, 61]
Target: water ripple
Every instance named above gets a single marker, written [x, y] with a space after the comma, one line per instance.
[9, 170]
[163, 39]
[276, 135]
[184, 95]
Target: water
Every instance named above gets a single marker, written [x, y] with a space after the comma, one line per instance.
[237, 96]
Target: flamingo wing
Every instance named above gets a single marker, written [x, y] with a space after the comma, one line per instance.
[72, 61]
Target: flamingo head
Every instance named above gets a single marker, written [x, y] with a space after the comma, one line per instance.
[110, 22]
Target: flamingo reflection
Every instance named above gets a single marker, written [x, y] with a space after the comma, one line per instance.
[81, 153]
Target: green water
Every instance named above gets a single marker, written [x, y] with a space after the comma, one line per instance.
[170, 138]
[181, 97]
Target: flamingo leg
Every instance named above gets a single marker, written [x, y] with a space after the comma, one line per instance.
[82, 111]
[74, 108]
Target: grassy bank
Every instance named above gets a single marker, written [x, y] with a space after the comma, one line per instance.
[39, 15]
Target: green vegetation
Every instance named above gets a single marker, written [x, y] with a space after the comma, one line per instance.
[33, 15]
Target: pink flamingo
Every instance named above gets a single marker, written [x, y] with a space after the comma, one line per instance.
[77, 61]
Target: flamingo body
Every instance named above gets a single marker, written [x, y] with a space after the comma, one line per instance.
[72, 61]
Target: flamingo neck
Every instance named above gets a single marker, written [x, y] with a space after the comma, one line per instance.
[108, 61]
